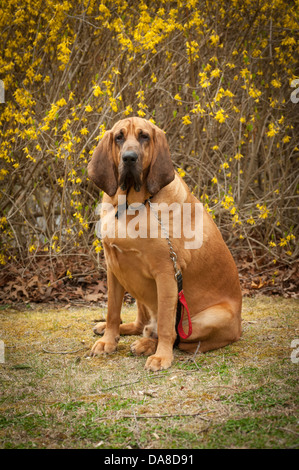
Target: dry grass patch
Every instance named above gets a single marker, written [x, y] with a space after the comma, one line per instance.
[54, 396]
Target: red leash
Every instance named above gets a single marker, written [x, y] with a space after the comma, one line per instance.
[179, 316]
[181, 332]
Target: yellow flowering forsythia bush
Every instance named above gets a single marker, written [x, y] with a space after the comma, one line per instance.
[216, 75]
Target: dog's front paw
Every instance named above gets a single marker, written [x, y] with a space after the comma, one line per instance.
[103, 347]
[156, 362]
[99, 329]
[145, 346]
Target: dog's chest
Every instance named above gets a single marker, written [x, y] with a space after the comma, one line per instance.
[126, 258]
[132, 269]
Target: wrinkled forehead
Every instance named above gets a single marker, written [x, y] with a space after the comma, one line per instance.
[133, 126]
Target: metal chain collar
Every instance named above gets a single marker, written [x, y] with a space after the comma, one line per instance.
[172, 253]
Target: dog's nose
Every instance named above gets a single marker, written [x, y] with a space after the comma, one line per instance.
[129, 157]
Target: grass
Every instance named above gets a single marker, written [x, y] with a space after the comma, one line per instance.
[240, 396]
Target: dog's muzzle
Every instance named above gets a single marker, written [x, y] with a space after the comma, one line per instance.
[129, 157]
[130, 173]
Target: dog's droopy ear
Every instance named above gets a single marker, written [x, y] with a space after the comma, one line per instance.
[101, 168]
[161, 170]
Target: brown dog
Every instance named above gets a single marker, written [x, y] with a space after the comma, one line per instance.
[133, 161]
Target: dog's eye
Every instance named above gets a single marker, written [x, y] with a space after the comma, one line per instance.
[119, 138]
[144, 137]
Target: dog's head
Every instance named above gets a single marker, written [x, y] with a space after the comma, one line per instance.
[132, 153]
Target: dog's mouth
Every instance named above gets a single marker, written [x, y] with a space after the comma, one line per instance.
[130, 176]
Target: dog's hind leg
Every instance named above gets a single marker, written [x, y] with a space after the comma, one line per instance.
[214, 328]
[132, 328]
[136, 327]
[148, 344]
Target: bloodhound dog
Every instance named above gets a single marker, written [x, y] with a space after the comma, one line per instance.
[133, 161]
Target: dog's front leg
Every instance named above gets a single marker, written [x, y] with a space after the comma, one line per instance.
[108, 343]
[167, 303]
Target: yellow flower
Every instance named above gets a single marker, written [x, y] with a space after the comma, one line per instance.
[3, 222]
[128, 110]
[61, 102]
[205, 84]
[272, 130]
[186, 120]
[254, 92]
[216, 73]
[64, 52]
[181, 172]
[140, 94]
[104, 9]
[227, 202]
[3, 173]
[88, 108]
[52, 113]
[263, 211]
[250, 220]
[84, 131]
[221, 116]
[97, 90]
[224, 165]
[197, 109]
[229, 93]
[113, 104]
[214, 39]
[102, 132]
[97, 246]
[276, 83]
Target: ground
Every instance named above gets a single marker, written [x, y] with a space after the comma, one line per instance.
[53, 395]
